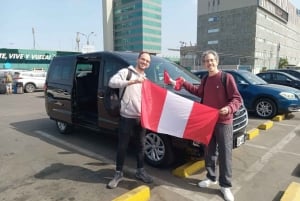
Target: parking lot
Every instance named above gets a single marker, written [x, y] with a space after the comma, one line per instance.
[39, 164]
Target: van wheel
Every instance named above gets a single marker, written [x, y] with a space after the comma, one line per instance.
[158, 150]
[29, 88]
[63, 127]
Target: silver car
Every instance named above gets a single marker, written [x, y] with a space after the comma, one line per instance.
[30, 80]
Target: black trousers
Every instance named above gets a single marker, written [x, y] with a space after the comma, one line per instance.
[127, 128]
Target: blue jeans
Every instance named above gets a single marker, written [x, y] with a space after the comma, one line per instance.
[128, 127]
[220, 147]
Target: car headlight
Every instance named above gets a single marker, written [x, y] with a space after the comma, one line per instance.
[288, 95]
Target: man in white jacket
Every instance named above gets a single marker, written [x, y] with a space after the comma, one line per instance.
[130, 120]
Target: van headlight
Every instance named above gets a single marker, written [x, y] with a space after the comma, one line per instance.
[288, 95]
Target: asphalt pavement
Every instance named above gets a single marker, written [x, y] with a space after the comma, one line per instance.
[37, 163]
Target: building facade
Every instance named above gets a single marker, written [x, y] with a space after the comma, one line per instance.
[251, 33]
[132, 25]
[27, 59]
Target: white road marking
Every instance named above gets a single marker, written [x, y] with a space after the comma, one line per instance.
[72, 146]
[188, 194]
[255, 146]
[162, 183]
[264, 160]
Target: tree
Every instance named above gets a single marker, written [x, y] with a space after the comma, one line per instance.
[283, 62]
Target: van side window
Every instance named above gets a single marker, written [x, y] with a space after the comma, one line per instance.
[110, 67]
[61, 71]
[83, 69]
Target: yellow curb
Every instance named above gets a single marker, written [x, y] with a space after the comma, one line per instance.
[279, 117]
[188, 168]
[252, 133]
[141, 193]
[265, 126]
[292, 193]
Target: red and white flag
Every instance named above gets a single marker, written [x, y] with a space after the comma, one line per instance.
[168, 113]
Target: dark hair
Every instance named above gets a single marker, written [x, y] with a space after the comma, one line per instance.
[205, 53]
[143, 52]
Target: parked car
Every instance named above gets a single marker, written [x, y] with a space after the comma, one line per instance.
[282, 78]
[295, 73]
[2, 78]
[74, 96]
[266, 100]
[30, 80]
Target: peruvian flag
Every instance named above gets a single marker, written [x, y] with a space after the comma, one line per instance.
[168, 113]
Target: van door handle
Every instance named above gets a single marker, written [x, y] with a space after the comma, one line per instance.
[58, 103]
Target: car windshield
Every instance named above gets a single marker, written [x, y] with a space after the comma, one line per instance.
[252, 79]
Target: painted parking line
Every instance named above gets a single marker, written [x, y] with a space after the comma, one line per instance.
[257, 167]
[161, 184]
[260, 163]
[74, 147]
[141, 193]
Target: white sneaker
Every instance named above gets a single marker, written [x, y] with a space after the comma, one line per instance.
[206, 183]
[228, 196]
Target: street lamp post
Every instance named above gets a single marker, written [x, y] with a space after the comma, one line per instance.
[87, 36]
[77, 41]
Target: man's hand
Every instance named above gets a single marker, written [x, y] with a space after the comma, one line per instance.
[224, 110]
[138, 80]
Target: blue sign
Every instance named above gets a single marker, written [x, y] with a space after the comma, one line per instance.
[7, 65]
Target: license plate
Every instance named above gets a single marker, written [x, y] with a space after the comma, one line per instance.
[240, 140]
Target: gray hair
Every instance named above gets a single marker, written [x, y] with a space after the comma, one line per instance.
[205, 53]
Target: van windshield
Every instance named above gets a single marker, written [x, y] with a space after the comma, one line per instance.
[157, 66]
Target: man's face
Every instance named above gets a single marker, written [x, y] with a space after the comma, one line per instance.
[144, 61]
[210, 63]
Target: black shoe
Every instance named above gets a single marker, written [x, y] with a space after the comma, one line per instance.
[115, 181]
[142, 175]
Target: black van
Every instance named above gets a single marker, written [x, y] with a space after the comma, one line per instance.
[74, 96]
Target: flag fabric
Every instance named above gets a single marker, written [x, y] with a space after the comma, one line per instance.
[178, 82]
[168, 113]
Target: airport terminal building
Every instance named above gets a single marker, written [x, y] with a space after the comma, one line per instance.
[133, 25]
[254, 33]
[28, 59]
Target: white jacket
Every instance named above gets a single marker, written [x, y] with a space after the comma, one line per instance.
[131, 101]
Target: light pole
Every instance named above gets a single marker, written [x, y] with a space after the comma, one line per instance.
[77, 41]
[87, 36]
[33, 35]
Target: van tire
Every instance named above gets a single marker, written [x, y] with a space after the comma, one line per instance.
[158, 150]
[63, 127]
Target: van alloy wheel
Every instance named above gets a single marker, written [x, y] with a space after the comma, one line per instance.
[63, 127]
[158, 150]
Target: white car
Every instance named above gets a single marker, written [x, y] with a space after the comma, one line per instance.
[2, 77]
[30, 80]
